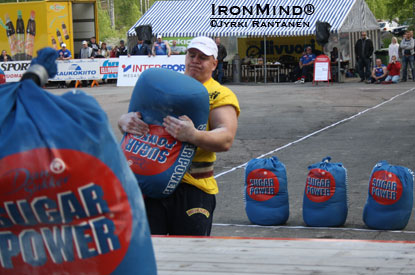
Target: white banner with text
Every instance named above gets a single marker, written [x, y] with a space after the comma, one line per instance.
[130, 68]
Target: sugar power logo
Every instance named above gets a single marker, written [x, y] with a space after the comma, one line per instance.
[261, 16]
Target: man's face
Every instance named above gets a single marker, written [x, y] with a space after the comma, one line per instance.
[140, 42]
[85, 45]
[217, 40]
[309, 51]
[174, 43]
[3, 52]
[199, 66]
[378, 62]
[121, 44]
[364, 35]
[393, 58]
[93, 40]
[159, 40]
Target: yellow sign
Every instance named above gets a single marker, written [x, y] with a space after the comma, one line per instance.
[28, 27]
[277, 48]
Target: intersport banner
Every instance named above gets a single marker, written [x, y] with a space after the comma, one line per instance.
[74, 69]
[130, 68]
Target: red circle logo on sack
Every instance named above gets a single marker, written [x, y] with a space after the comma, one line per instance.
[320, 185]
[385, 187]
[262, 185]
[153, 153]
[61, 211]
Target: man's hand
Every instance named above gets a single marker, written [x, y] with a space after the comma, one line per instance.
[132, 123]
[181, 129]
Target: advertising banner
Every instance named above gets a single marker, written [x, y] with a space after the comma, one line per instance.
[74, 69]
[27, 27]
[277, 48]
[130, 68]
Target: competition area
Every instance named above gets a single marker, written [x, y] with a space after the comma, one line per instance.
[356, 124]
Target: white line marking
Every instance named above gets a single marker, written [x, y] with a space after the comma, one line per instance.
[319, 228]
[316, 132]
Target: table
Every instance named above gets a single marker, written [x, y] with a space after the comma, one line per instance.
[260, 69]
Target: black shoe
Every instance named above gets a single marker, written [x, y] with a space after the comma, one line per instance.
[361, 80]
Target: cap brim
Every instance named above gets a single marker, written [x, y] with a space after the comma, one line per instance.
[203, 49]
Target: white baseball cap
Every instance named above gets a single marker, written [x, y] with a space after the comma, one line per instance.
[204, 44]
[159, 36]
[63, 45]
[84, 42]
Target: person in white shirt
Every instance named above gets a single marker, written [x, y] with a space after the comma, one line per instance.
[393, 49]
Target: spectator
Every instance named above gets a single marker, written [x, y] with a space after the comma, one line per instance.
[161, 47]
[99, 54]
[379, 73]
[174, 48]
[114, 51]
[221, 56]
[64, 53]
[86, 51]
[364, 50]
[306, 65]
[407, 46]
[104, 50]
[122, 49]
[141, 49]
[393, 49]
[4, 57]
[334, 61]
[394, 70]
[93, 44]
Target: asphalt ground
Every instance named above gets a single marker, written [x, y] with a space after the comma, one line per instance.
[356, 124]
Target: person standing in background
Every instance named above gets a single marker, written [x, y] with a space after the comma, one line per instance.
[4, 57]
[122, 49]
[407, 46]
[393, 49]
[161, 47]
[221, 56]
[64, 53]
[174, 48]
[104, 51]
[141, 49]
[93, 44]
[364, 50]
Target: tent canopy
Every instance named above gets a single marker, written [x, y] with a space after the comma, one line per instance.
[183, 18]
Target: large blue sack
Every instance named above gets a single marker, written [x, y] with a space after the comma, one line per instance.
[325, 194]
[266, 192]
[390, 197]
[69, 204]
[157, 159]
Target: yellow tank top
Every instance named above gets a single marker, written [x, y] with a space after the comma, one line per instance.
[218, 96]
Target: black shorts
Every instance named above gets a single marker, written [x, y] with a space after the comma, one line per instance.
[188, 211]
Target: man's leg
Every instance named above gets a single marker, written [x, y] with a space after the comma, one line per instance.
[411, 64]
[367, 68]
[157, 215]
[220, 72]
[193, 211]
[404, 67]
[360, 67]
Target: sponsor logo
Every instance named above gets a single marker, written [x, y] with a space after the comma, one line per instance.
[320, 185]
[56, 216]
[57, 7]
[262, 185]
[193, 211]
[126, 68]
[109, 69]
[385, 187]
[14, 66]
[76, 70]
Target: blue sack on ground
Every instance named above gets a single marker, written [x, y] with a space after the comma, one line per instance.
[325, 194]
[266, 192]
[69, 204]
[390, 197]
[157, 159]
